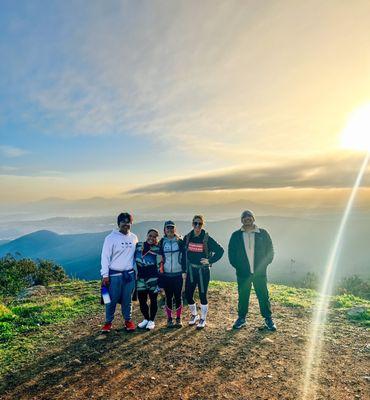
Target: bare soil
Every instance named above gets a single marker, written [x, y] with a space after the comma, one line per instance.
[215, 363]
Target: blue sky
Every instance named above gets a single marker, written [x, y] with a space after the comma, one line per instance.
[98, 98]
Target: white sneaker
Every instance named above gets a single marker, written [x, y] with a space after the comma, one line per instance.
[193, 319]
[201, 324]
[150, 326]
[143, 324]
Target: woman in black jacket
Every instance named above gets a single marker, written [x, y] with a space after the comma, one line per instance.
[201, 251]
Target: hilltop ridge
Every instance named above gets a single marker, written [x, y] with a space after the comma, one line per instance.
[70, 359]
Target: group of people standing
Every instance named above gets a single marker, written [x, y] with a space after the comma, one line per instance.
[177, 265]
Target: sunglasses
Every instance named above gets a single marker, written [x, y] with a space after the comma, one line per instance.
[197, 223]
[170, 227]
[153, 236]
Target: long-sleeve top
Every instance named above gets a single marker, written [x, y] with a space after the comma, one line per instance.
[249, 239]
[263, 253]
[118, 252]
[146, 258]
[195, 248]
[172, 251]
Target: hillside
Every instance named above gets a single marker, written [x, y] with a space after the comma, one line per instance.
[58, 352]
[307, 241]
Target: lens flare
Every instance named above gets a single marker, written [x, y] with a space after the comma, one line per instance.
[312, 362]
[356, 134]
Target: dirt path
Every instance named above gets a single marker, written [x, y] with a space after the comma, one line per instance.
[216, 363]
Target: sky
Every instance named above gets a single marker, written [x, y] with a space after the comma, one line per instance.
[170, 101]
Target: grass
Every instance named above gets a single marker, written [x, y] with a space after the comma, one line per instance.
[26, 327]
[305, 299]
[24, 324]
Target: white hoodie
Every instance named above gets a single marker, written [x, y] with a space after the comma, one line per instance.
[118, 252]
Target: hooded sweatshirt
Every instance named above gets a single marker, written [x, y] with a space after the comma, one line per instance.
[118, 252]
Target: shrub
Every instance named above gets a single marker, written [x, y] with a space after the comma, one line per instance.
[47, 272]
[354, 285]
[18, 274]
[15, 274]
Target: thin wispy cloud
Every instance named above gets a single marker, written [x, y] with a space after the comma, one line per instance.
[12, 151]
[335, 171]
[193, 75]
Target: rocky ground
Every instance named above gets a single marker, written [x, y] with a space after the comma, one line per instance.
[216, 363]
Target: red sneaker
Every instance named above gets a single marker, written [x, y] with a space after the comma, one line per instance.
[130, 326]
[106, 327]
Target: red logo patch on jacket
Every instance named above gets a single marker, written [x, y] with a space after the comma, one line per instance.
[196, 247]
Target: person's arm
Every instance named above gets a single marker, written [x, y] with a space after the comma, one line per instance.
[106, 255]
[231, 250]
[183, 257]
[134, 261]
[269, 249]
[216, 249]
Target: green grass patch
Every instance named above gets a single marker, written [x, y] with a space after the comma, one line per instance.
[348, 301]
[25, 325]
[292, 297]
[345, 302]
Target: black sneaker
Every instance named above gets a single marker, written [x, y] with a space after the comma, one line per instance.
[170, 323]
[239, 323]
[178, 323]
[269, 324]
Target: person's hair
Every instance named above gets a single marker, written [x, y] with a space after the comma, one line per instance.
[199, 217]
[124, 217]
[153, 230]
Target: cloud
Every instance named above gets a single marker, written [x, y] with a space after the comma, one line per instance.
[11, 151]
[221, 76]
[325, 171]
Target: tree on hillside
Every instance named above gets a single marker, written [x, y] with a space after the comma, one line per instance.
[16, 274]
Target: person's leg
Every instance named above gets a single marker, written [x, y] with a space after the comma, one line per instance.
[260, 286]
[189, 292]
[244, 292]
[128, 288]
[143, 297]
[190, 287]
[204, 277]
[168, 290]
[115, 283]
[177, 289]
[153, 305]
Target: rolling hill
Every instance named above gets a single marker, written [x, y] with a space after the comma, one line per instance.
[306, 241]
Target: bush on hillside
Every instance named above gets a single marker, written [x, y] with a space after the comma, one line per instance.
[18, 274]
[354, 285]
[48, 272]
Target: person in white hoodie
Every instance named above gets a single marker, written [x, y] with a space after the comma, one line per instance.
[117, 271]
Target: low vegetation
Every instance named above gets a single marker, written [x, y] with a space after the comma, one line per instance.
[29, 325]
[17, 274]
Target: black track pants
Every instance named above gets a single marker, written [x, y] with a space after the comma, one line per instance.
[244, 291]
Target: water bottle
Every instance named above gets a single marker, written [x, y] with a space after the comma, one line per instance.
[105, 295]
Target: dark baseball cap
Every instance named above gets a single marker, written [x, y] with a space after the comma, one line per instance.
[169, 223]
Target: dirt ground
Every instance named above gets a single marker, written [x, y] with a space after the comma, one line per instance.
[216, 363]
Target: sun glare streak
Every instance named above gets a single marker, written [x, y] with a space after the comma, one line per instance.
[312, 362]
[356, 134]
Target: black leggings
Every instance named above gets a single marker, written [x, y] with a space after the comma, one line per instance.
[143, 298]
[172, 286]
[201, 279]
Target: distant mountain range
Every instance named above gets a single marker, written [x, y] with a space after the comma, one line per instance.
[301, 245]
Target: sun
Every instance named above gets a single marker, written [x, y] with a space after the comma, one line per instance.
[356, 134]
